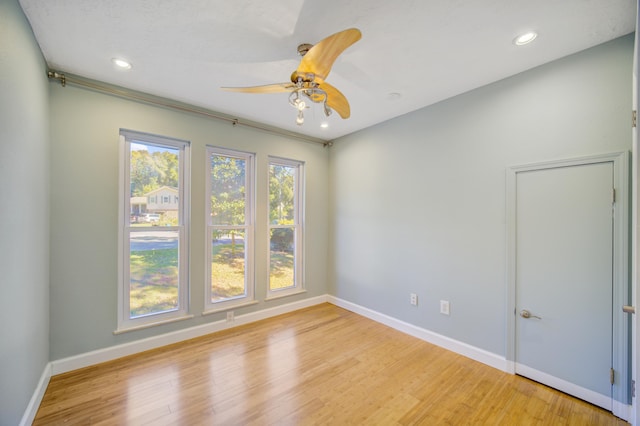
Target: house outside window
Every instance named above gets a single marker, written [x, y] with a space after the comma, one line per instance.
[153, 260]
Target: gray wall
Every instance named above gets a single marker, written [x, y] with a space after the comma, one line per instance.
[84, 208]
[24, 213]
[418, 202]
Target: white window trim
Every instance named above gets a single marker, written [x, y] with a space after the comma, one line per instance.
[298, 219]
[249, 230]
[125, 323]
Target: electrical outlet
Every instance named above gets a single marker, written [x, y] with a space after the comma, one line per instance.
[230, 316]
[413, 299]
[444, 307]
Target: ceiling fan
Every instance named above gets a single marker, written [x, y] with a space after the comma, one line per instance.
[308, 81]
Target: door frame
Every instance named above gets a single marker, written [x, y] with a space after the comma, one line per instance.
[635, 182]
[621, 345]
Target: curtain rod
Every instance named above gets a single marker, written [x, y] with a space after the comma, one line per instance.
[167, 103]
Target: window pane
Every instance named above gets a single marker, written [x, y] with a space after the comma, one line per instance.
[154, 172]
[281, 194]
[227, 264]
[153, 272]
[281, 274]
[153, 284]
[227, 190]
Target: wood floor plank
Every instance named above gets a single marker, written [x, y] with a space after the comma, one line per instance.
[317, 366]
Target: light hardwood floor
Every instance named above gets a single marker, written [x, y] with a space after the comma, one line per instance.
[322, 365]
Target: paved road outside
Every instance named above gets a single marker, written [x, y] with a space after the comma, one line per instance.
[150, 240]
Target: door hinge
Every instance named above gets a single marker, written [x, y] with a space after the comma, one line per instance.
[633, 389]
[613, 195]
[612, 375]
[634, 118]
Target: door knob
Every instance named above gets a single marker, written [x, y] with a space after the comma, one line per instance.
[526, 314]
[629, 309]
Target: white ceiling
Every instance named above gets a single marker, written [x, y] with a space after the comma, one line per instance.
[413, 53]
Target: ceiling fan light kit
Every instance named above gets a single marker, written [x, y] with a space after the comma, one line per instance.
[314, 93]
[308, 81]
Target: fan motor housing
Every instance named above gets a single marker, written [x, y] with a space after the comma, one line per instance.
[304, 48]
[305, 77]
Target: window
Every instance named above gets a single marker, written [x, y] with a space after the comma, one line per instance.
[154, 247]
[230, 229]
[286, 220]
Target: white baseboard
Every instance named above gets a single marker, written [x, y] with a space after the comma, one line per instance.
[618, 409]
[32, 409]
[107, 354]
[594, 398]
[480, 355]
[622, 410]
[113, 352]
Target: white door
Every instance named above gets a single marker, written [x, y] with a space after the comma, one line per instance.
[564, 278]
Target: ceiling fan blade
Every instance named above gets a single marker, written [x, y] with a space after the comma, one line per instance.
[320, 58]
[268, 88]
[336, 100]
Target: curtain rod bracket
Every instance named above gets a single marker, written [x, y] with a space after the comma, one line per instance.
[58, 76]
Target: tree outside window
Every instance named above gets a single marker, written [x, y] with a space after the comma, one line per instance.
[285, 226]
[153, 267]
[230, 227]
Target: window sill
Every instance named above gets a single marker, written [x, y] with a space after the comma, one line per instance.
[151, 324]
[229, 307]
[276, 296]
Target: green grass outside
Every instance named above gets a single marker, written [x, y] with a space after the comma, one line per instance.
[154, 276]
[227, 271]
[154, 281]
[281, 271]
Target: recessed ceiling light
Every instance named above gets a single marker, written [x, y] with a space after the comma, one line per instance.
[324, 125]
[525, 38]
[121, 63]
